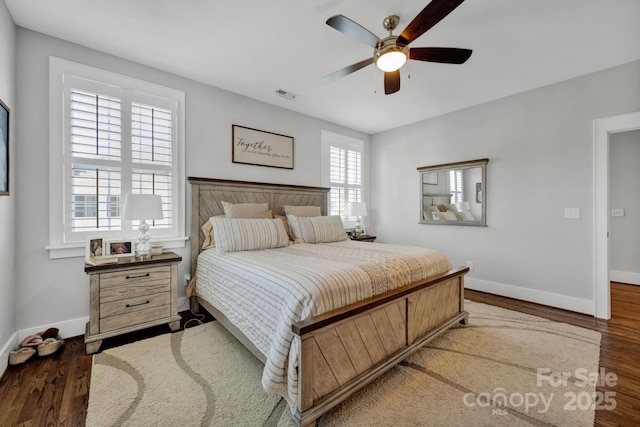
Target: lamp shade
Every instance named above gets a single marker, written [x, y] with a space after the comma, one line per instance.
[142, 206]
[358, 209]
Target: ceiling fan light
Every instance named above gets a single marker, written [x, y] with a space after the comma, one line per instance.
[391, 60]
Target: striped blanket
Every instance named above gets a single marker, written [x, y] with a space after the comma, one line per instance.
[264, 292]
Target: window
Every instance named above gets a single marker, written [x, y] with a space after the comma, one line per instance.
[343, 173]
[114, 135]
[455, 186]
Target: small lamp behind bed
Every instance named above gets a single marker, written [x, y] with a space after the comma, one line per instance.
[358, 209]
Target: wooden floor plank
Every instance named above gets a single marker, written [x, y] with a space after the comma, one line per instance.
[55, 390]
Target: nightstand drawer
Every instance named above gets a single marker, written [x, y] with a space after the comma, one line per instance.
[137, 276]
[128, 291]
[133, 311]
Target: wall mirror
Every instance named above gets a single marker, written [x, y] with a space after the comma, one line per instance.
[454, 193]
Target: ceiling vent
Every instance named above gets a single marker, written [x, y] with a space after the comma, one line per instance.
[286, 95]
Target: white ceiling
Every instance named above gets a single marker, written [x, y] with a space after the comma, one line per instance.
[254, 47]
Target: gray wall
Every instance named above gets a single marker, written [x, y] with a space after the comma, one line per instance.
[56, 292]
[540, 146]
[624, 235]
[8, 203]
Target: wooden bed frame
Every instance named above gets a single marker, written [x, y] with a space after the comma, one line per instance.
[343, 350]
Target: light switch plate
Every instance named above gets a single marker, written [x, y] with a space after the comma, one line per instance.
[571, 213]
[617, 212]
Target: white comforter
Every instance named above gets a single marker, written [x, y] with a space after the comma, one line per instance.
[264, 292]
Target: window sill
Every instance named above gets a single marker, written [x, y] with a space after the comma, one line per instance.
[73, 250]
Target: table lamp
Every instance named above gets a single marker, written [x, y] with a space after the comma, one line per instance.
[142, 207]
[358, 209]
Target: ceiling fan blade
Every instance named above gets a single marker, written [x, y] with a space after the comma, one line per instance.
[391, 82]
[446, 55]
[353, 30]
[433, 13]
[347, 70]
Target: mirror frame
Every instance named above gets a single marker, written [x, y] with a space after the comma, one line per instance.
[482, 164]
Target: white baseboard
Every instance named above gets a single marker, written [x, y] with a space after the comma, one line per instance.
[7, 348]
[628, 277]
[565, 302]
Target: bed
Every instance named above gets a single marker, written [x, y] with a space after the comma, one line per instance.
[344, 348]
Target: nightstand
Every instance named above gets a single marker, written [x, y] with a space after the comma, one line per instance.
[133, 294]
[364, 238]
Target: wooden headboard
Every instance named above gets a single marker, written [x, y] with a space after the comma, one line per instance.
[207, 195]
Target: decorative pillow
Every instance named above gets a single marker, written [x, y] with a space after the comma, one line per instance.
[467, 216]
[451, 207]
[302, 210]
[246, 210]
[317, 229]
[459, 216]
[209, 239]
[286, 225]
[449, 216]
[248, 234]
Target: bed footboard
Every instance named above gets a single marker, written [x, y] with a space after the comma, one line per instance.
[344, 350]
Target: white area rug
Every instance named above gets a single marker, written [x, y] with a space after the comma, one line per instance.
[504, 369]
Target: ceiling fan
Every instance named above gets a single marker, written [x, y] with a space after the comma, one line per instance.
[392, 52]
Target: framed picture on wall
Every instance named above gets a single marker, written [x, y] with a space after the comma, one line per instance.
[4, 149]
[261, 148]
[478, 192]
[430, 178]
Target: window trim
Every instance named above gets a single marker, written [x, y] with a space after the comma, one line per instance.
[58, 69]
[348, 143]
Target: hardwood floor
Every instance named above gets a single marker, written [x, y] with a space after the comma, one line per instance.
[55, 390]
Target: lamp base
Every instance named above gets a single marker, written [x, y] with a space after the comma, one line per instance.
[143, 248]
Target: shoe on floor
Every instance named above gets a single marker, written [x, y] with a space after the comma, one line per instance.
[50, 346]
[31, 341]
[20, 356]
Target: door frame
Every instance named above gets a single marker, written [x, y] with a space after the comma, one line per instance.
[602, 129]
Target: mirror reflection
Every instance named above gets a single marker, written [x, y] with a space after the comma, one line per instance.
[454, 193]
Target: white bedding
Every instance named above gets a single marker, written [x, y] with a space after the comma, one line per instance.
[264, 292]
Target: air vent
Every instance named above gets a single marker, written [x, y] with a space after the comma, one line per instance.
[286, 95]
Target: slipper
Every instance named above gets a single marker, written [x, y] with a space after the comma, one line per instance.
[50, 346]
[49, 333]
[20, 356]
[31, 341]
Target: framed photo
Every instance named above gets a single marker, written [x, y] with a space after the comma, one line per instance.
[430, 178]
[120, 247]
[95, 248]
[257, 147]
[4, 149]
[478, 192]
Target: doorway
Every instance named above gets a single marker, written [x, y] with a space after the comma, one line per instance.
[603, 128]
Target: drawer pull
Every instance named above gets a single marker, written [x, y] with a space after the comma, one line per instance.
[137, 277]
[135, 305]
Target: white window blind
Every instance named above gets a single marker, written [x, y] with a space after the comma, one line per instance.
[117, 135]
[455, 186]
[345, 172]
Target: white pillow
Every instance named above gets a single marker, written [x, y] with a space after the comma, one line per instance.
[248, 234]
[317, 229]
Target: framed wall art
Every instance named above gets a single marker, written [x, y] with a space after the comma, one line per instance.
[4, 149]
[261, 148]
